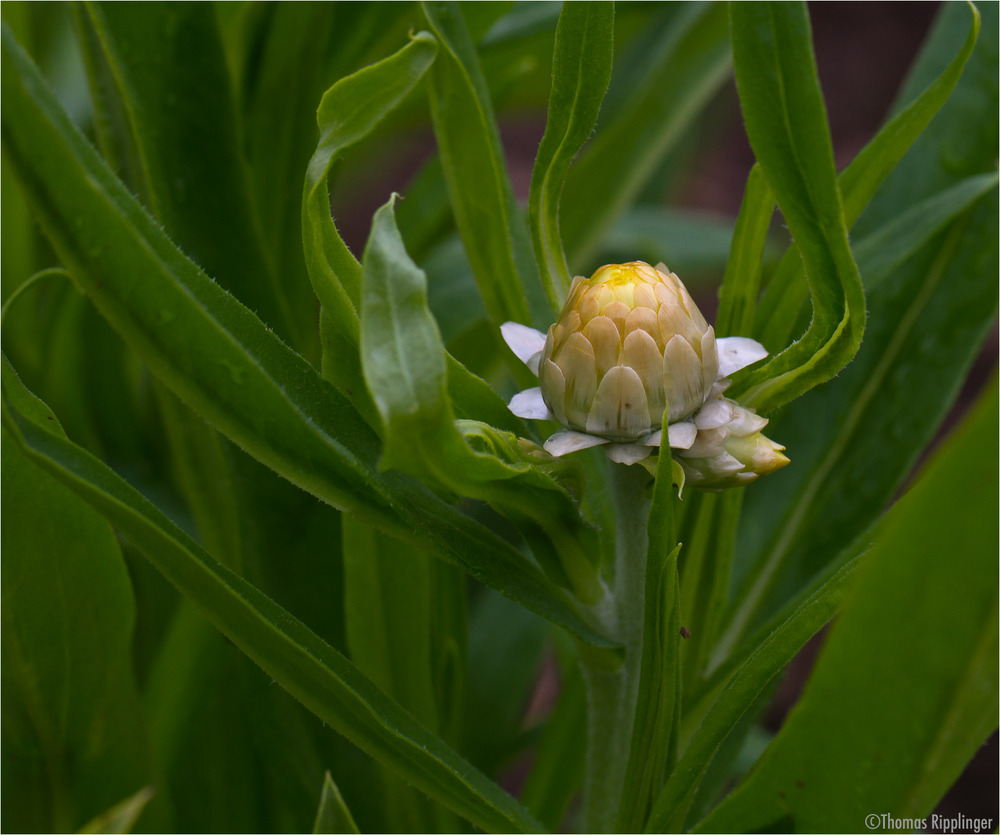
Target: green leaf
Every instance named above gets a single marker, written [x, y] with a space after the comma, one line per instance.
[399, 635]
[276, 91]
[220, 359]
[858, 182]
[72, 740]
[741, 282]
[581, 72]
[311, 670]
[200, 460]
[710, 539]
[348, 112]
[786, 123]
[333, 816]
[885, 250]
[387, 601]
[404, 364]
[122, 816]
[928, 321]
[955, 144]
[737, 691]
[493, 231]
[919, 631]
[691, 62]
[231, 749]
[175, 93]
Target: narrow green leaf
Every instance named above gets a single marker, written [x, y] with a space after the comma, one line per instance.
[522, 20]
[786, 123]
[276, 90]
[658, 709]
[333, 816]
[122, 816]
[883, 251]
[175, 92]
[387, 610]
[928, 319]
[404, 364]
[311, 670]
[581, 72]
[204, 475]
[919, 631]
[219, 358]
[113, 133]
[493, 231]
[348, 112]
[738, 695]
[710, 540]
[233, 750]
[858, 183]
[691, 63]
[72, 740]
[391, 605]
[744, 267]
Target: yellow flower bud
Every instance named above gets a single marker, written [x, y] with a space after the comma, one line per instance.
[629, 341]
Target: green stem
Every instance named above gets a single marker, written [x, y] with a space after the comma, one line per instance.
[612, 686]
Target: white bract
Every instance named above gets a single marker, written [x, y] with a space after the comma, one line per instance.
[629, 343]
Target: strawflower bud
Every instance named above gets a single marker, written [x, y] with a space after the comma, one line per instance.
[729, 450]
[629, 341]
[629, 344]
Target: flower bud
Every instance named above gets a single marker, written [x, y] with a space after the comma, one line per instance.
[628, 343]
[729, 449]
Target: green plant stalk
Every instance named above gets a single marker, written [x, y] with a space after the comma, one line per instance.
[613, 687]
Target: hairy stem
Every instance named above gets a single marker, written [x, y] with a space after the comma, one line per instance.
[612, 687]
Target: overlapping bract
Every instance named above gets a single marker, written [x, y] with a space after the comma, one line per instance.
[629, 344]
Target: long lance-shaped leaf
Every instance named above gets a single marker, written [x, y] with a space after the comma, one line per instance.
[181, 117]
[739, 694]
[403, 358]
[348, 112]
[905, 690]
[307, 667]
[781, 303]
[581, 72]
[928, 316]
[333, 814]
[219, 358]
[493, 231]
[816, 518]
[741, 282]
[691, 63]
[786, 124]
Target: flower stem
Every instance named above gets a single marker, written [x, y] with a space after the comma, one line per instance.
[612, 687]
